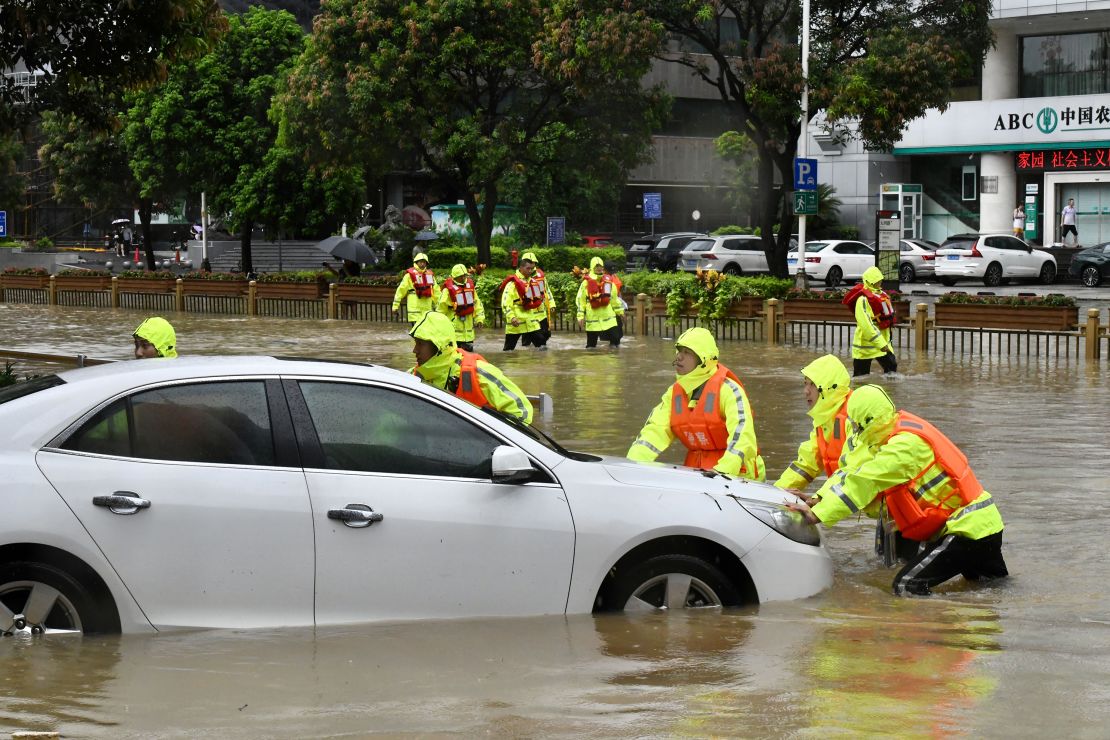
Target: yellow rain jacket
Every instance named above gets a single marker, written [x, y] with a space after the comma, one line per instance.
[833, 388]
[510, 307]
[414, 304]
[733, 407]
[160, 333]
[874, 461]
[548, 307]
[605, 317]
[442, 370]
[464, 325]
[869, 340]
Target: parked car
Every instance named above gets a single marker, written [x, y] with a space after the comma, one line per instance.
[263, 492]
[658, 251]
[733, 254]
[833, 260]
[599, 241]
[992, 258]
[1092, 265]
[917, 259]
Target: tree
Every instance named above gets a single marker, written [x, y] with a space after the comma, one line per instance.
[475, 91]
[874, 64]
[90, 50]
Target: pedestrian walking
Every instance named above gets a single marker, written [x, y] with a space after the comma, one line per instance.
[154, 337]
[1068, 225]
[459, 302]
[875, 316]
[1019, 222]
[418, 289]
[598, 306]
[522, 301]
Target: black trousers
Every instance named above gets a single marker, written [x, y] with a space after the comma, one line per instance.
[611, 335]
[948, 557]
[531, 338]
[888, 362]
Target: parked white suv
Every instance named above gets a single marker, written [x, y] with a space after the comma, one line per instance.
[732, 254]
[992, 258]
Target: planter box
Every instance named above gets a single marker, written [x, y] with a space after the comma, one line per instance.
[145, 285]
[83, 282]
[365, 293]
[214, 287]
[303, 291]
[25, 281]
[811, 309]
[747, 307]
[1037, 318]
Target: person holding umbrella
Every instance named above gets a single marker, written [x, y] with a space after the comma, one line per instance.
[353, 252]
[418, 289]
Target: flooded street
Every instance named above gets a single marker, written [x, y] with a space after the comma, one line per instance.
[1029, 657]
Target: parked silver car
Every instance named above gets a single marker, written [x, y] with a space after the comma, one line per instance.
[732, 254]
[658, 251]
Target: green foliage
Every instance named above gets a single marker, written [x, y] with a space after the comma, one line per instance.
[815, 295]
[563, 287]
[218, 276]
[8, 376]
[36, 271]
[733, 229]
[826, 224]
[44, 243]
[486, 286]
[1054, 299]
[298, 276]
[444, 258]
[711, 298]
[71, 272]
[565, 259]
[147, 275]
[391, 281]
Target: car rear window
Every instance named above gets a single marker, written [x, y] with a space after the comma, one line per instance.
[27, 387]
[958, 242]
[698, 245]
[640, 246]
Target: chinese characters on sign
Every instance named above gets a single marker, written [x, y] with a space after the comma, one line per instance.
[1063, 159]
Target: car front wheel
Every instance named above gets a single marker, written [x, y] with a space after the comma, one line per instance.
[906, 273]
[834, 276]
[41, 598]
[673, 582]
[1092, 278]
[1048, 273]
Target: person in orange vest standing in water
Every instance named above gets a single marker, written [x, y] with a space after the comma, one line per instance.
[466, 374]
[459, 301]
[907, 466]
[827, 388]
[538, 280]
[599, 305]
[707, 410]
[874, 317]
[418, 289]
[522, 303]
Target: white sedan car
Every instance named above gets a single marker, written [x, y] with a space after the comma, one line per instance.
[992, 258]
[262, 492]
[833, 260]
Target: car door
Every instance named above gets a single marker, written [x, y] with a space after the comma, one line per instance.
[749, 253]
[450, 541]
[190, 492]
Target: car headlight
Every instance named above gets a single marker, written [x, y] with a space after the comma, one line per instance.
[789, 524]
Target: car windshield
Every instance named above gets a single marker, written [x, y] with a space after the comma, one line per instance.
[698, 245]
[539, 436]
[27, 387]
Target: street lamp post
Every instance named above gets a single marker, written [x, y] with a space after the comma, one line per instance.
[801, 282]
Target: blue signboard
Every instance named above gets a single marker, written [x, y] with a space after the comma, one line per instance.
[3, 224]
[653, 205]
[805, 174]
[556, 229]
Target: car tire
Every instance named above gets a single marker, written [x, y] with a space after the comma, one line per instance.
[834, 277]
[672, 582]
[732, 269]
[906, 273]
[947, 282]
[72, 606]
[1091, 276]
[992, 278]
[1048, 274]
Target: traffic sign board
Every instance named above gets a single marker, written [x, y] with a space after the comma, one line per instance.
[805, 203]
[805, 174]
[653, 205]
[3, 224]
[556, 229]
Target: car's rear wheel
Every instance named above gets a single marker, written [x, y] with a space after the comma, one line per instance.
[732, 269]
[1048, 274]
[992, 278]
[41, 598]
[947, 281]
[1091, 276]
[673, 582]
[834, 276]
[906, 273]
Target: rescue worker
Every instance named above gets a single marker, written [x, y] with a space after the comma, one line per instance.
[618, 289]
[466, 374]
[874, 318]
[459, 301]
[418, 288]
[599, 306]
[708, 411]
[544, 312]
[522, 302]
[928, 487]
[827, 387]
[155, 337]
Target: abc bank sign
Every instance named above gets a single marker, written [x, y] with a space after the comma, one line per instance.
[999, 125]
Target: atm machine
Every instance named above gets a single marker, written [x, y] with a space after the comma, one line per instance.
[906, 199]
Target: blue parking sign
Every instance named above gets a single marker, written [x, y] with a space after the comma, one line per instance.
[3, 224]
[653, 205]
[556, 229]
[805, 174]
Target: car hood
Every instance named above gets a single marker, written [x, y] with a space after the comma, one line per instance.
[678, 478]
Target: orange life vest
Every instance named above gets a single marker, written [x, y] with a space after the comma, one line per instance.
[916, 517]
[881, 304]
[539, 282]
[829, 450]
[468, 388]
[599, 290]
[702, 429]
[531, 295]
[422, 282]
[462, 295]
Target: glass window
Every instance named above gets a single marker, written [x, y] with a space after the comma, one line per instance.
[226, 423]
[1065, 64]
[378, 430]
[27, 387]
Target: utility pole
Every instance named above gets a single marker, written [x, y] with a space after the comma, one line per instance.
[801, 281]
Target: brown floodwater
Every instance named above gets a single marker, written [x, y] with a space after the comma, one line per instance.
[1028, 657]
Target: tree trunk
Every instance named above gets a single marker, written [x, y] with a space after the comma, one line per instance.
[146, 208]
[245, 248]
[481, 225]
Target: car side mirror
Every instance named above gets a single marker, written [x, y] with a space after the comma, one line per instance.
[511, 465]
[1029, 248]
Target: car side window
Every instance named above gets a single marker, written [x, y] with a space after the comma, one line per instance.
[846, 248]
[997, 242]
[749, 245]
[225, 423]
[380, 430]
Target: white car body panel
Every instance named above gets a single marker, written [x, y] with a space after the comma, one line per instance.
[1016, 261]
[740, 252]
[852, 266]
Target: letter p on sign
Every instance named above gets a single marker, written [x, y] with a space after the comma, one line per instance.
[805, 174]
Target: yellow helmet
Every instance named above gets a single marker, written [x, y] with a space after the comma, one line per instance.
[436, 328]
[700, 342]
[458, 271]
[159, 333]
[418, 257]
[531, 257]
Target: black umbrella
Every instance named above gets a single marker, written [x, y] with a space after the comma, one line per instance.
[346, 248]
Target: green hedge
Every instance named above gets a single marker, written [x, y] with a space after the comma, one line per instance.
[552, 259]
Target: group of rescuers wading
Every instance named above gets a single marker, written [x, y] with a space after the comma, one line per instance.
[878, 460]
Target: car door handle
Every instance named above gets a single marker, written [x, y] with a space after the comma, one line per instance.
[356, 516]
[122, 502]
